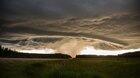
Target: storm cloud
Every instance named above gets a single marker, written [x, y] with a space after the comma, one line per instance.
[63, 8]
[67, 26]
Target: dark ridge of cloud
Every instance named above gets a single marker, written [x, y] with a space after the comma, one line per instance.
[137, 6]
[32, 30]
[62, 8]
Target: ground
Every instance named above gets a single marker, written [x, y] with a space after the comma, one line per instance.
[70, 68]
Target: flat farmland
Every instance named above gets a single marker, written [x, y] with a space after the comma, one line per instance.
[70, 68]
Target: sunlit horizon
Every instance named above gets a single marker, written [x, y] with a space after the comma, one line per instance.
[39, 51]
[88, 50]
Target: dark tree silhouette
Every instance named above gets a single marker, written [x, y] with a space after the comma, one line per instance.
[5, 52]
[130, 54]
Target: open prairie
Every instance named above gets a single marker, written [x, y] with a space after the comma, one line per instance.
[70, 68]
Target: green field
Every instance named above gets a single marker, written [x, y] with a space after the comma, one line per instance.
[72, 68]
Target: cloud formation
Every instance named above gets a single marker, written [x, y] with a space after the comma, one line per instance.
[62, 8]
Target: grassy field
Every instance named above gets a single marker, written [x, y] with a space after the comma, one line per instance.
[72, 68]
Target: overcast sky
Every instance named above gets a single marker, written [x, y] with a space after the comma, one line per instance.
[62, 8]
[111, 24]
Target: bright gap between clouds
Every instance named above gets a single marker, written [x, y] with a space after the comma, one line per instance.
[39, 51]
[89, 50]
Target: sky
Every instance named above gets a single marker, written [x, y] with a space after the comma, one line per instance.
[69, 26]
[62, 8]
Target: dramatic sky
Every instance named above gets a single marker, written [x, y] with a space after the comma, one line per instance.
[69, 26]
[61, 8]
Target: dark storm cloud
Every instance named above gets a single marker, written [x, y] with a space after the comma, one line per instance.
[136, 5]
[58, 8]
[113, 21]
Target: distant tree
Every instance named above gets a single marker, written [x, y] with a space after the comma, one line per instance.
[5, 52]
[130, 54]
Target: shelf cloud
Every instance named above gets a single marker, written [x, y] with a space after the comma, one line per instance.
[67, 26]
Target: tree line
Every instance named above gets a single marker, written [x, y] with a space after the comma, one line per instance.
[8, 53]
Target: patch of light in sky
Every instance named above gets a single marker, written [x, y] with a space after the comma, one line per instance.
[41, 51]
[89, 50]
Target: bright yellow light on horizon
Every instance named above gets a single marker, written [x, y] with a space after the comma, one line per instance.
[39, 51]
[89, 50]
